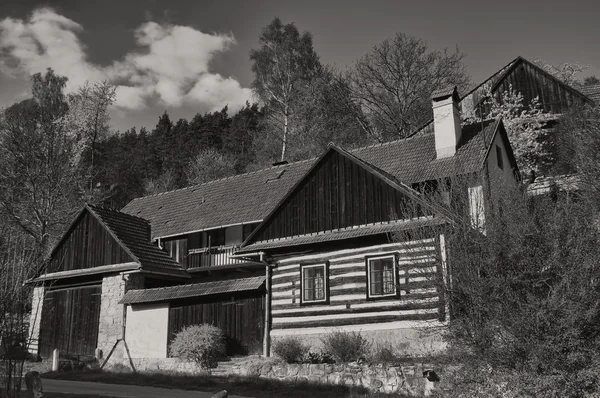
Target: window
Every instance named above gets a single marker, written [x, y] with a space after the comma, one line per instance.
[381, 276]
[314, 283]
[499, 157]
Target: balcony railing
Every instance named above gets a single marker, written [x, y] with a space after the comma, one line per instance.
[212, 256]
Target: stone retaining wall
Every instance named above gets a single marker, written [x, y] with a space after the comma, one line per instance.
[164, 364]
[410, 380]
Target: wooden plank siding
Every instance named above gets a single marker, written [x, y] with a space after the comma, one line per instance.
[338, 193]
[419, 274]
[242, 320]
[554, 96]
[87, 245]
[70, 319]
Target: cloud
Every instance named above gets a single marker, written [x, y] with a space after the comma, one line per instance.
[171, 63]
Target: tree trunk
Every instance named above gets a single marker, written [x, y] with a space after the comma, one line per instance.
[285, 131]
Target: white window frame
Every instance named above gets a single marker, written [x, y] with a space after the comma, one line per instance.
[394, 271]
[325, 283]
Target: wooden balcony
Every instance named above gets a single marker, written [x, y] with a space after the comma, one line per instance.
[212, 256]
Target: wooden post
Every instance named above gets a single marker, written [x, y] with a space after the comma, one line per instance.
[267, 334]
[55, 356]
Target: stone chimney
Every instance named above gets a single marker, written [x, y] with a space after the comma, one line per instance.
[446, 121]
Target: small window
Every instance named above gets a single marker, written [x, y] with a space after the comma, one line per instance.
[314, 283]
[499, 157]
[381, 275]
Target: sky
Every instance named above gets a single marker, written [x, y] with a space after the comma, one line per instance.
[186, 57]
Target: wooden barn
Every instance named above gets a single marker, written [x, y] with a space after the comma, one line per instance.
[347, 241]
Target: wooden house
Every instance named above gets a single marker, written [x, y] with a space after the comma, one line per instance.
[347, 241]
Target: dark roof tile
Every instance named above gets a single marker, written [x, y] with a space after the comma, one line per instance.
[239, 199]
[134, 234]
[250, 197]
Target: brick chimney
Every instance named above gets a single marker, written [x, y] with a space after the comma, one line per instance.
[446, 121]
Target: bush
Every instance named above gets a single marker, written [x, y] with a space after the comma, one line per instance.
[319, 357]
[346, 346]
[290, 349]
[383, 353]
[203, 344]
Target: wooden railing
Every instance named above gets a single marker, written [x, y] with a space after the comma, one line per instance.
[213, 256]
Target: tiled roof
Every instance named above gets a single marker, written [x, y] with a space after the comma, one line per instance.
[192, 290]
[134, 234]
[414, 160]
[346, 233]
[239, 199]
[592, 91]
[250, 197]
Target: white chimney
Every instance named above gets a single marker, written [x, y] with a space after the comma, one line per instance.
[446, 121]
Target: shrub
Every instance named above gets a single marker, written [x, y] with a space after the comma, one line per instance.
[290, 349]
[203, 344]
[319, 357]
[345, 346]
[383, 353]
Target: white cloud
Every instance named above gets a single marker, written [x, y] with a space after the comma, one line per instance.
[171, 63]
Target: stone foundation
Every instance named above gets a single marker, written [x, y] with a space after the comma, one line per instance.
[401, 379]
[164, 365]
[406, 342]
[110, 328]
[37, 301]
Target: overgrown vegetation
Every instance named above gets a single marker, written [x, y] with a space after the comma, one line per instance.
[203, 344]
[290, 349]
[525, 291]
[346, 346]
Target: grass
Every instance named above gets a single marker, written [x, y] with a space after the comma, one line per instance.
[249, 386]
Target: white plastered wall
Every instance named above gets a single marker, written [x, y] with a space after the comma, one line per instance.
[147, 328]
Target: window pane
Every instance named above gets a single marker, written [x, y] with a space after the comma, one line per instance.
[381, 273]
[313, 283]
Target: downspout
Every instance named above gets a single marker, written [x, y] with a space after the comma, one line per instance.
[267, 331]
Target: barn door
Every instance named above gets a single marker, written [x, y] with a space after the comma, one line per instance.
[70, 321]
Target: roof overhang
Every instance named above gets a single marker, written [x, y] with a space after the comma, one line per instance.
[170, 293]
[102, 269]
[347, 233]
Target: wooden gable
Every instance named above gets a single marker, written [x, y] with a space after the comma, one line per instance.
[531, 81]
[87, 243]
[339, 191]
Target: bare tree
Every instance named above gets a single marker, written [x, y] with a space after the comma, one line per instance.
[88, 115]
[18, 263]
[393, 83]
[39, 159]
[567, 72]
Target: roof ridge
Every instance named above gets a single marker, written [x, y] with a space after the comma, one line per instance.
[95, 207]
[223, 179]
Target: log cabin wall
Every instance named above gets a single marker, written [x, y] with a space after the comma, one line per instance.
[417, 302]
[87, 245]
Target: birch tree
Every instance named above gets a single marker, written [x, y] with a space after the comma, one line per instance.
[88, 115]
[284, 60]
